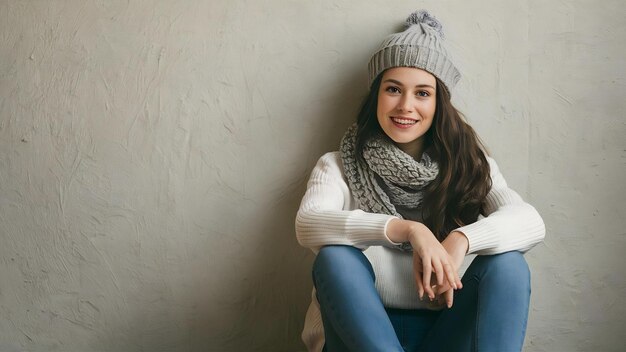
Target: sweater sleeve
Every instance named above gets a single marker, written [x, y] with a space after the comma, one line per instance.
[322, 218]
[509, 223]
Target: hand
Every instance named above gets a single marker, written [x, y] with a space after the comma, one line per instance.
[428, 256]
[456, 244]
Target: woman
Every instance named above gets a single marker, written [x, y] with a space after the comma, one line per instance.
[396, 213]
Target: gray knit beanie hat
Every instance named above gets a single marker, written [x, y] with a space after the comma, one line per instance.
[421, 46]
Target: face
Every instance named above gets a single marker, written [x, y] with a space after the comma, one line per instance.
[406, 107]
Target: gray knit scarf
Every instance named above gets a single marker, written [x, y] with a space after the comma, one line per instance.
[388, 178]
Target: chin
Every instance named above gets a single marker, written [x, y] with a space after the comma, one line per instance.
[403, 139]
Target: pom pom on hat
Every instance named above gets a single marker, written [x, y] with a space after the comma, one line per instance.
[422, 16]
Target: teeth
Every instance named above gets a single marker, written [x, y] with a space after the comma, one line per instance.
[404, 121]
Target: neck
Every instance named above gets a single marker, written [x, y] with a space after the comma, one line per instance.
[414, 148]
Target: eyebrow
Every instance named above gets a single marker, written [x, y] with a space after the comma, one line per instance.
[400, 83]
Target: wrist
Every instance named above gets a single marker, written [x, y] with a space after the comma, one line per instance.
[458, 241]
[401, 231]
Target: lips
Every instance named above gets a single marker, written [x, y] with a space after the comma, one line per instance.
[402, 121]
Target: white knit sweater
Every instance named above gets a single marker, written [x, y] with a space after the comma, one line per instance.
[328, 215]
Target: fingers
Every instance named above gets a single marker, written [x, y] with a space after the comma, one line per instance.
[444, 274]
[427, 270]
[434, 272]
[449, 297]
[443, 288]
[420, 285]
[445, 296]
[438, 269]
[434, 268]
[451, 276]
[417, 266]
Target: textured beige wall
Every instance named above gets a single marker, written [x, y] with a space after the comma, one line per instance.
[153, 155]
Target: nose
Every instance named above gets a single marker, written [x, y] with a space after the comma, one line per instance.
[405, 103]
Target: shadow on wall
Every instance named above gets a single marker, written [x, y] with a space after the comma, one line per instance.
[276, 281]
[256, 300]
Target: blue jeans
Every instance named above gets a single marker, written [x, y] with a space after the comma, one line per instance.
[488, 314]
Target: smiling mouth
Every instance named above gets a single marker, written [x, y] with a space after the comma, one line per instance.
[403, 121]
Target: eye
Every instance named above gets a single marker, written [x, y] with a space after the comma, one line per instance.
[392, 89]
[423, 94]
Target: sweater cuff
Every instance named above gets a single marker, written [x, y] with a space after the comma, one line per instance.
[369, 229]
[480, 236]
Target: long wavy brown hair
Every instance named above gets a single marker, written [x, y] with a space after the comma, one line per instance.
[456, 197]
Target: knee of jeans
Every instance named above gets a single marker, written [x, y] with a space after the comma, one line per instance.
[339, 260]
[509, 269]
